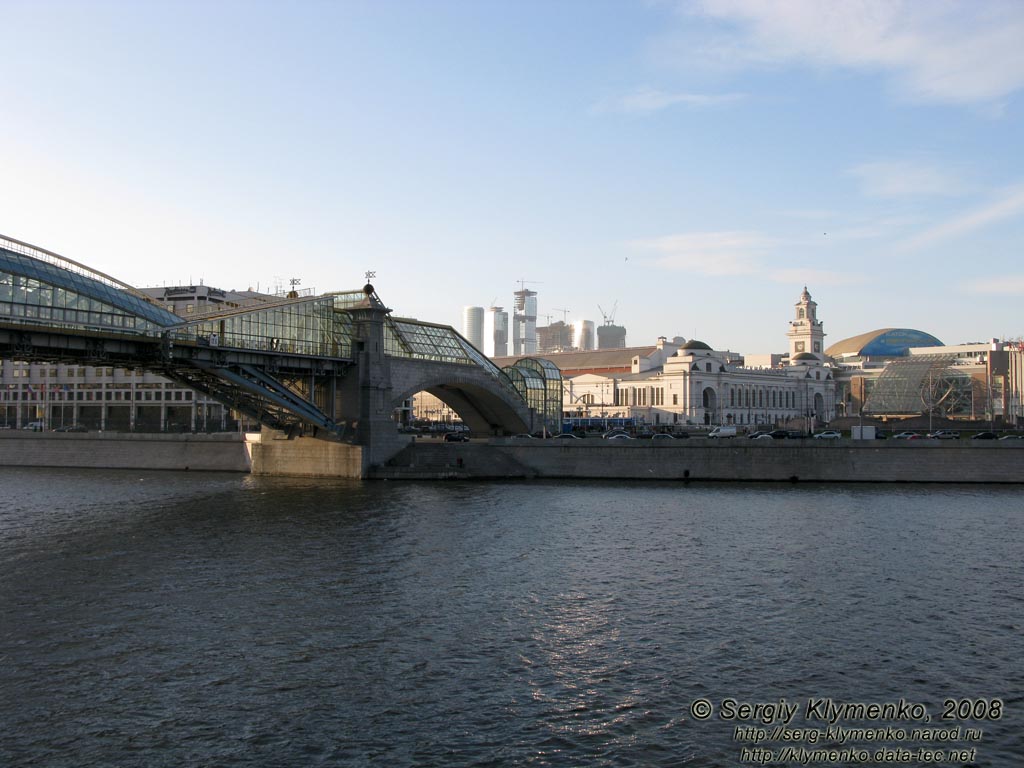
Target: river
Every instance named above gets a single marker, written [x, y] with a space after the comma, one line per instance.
[180, 619]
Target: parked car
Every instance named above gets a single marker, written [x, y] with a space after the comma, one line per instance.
[1004, 437]
[985, 436]
[757, 434]
[722, 431]
[795, 434]
[456, 437]
[35, 426]
[623, 436]
[762, 436]
[906, 436]
[944, 434]
[566, 436]
[828, 435]
[614, 433]
[71, 428]
[523, 436]
[662, 436]
[778, 434]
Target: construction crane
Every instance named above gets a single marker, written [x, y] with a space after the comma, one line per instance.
[522, 283]
[609, 317]
[565, 313]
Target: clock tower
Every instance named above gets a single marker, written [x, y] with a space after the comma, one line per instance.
[805, 333]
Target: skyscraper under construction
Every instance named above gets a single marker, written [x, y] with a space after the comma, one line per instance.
[524, 322]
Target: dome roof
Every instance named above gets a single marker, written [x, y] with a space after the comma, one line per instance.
[694, 344]
[884, 342]
[806, 356]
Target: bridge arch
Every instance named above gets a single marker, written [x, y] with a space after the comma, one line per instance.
[486, 405]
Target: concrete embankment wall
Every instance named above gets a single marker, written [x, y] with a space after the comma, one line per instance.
[272, 454]
[114, 450]
[962, 461]
[812, 461]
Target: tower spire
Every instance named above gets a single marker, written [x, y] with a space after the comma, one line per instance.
[805, 331]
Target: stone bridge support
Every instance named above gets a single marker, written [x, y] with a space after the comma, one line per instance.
[364, 400]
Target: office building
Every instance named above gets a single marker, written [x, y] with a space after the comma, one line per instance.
[495, 332]
[473, 326]
[524, 322]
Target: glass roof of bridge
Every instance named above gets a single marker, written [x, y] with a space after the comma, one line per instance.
[17, 259]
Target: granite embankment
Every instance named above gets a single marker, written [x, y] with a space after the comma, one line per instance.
[933, 461]
[118, 450]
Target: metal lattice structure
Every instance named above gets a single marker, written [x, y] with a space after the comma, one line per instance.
[284, 361]
[922, 384]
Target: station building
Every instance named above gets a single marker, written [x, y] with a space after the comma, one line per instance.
[688, 382]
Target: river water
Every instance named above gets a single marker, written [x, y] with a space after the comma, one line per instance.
[180, 619]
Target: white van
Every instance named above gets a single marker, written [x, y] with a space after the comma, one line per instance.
[722, 432]
[35, 426]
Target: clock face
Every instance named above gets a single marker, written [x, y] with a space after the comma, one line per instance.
[799, 346]
[817, 346]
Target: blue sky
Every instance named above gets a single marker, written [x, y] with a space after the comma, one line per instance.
[696, 163]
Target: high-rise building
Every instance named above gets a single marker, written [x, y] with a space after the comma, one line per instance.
[473, 326]
[611, 336]
[556, 337]
[495, 332]
[524, 323]
[583, 335]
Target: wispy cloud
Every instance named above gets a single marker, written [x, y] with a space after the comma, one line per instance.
[1007, 205]
[905, 179]
[808, 214]
[1004, 285]
[873, 229]
[944, 52]
[646, 100]
[816, 277]
[710, 253]
[729, 254]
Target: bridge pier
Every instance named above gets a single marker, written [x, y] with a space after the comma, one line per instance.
[365, 400]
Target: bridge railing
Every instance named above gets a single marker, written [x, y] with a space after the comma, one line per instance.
[300, 326]
[266, 301]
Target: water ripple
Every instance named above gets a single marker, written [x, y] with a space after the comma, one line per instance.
[184, 619]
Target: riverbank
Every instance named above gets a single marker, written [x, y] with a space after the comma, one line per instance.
[822, 461]
[219, 452]
[833, 461]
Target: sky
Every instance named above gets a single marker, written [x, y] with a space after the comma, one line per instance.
[692, 164]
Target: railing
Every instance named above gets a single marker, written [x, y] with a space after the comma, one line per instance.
[204, 312]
